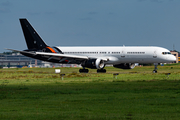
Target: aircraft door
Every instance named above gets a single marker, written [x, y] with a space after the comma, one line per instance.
[123, 53]
[155, 54]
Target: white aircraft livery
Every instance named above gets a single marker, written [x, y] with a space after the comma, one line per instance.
[92, 57]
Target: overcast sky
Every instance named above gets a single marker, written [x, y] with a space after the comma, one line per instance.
[92, 22]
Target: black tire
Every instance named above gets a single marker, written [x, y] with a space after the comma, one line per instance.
[154, 71]
[83, 70]
[101, 70]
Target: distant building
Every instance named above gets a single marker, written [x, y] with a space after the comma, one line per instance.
[16, 59]
[176, 55]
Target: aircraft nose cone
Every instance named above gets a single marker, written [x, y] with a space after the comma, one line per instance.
[172, 58]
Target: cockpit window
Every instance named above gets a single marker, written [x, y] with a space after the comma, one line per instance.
[165, 53]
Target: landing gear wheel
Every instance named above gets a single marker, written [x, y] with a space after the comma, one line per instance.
[154, 71]
[155, 68]
[101, 70]
[83, 70]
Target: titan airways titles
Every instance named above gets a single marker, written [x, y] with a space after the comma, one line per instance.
[92, 57]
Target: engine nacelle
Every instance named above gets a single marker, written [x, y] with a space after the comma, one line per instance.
[125, 66]
[94, 64]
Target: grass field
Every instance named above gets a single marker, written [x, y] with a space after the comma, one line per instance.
[39, 93]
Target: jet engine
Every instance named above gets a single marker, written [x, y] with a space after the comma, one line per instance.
[125, 65]
[94, 64]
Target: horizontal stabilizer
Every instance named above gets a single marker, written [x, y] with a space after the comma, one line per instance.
[33, 53]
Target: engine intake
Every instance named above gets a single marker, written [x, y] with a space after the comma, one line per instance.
[125, 66]
[94, 64]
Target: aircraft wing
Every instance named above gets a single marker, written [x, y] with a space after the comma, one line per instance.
[73, 59]
[62, 55]
[61, 58]
[67, 58]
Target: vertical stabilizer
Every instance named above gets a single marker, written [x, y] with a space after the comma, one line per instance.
[33, 40]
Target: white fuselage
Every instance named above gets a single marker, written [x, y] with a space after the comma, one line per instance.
[117, 55]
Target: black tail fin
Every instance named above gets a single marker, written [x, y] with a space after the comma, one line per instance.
[33, 40]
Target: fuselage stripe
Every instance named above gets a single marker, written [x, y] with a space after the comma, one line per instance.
[51, 50]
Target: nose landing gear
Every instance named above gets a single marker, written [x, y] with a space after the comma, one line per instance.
[155, 68]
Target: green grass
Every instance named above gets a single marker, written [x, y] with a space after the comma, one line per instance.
[39, 93]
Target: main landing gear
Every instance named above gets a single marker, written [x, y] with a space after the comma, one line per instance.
[83, 70]
[155, 68]
[86, 70]
[101, 70]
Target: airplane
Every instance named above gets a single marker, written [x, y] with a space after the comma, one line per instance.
[98, 57]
